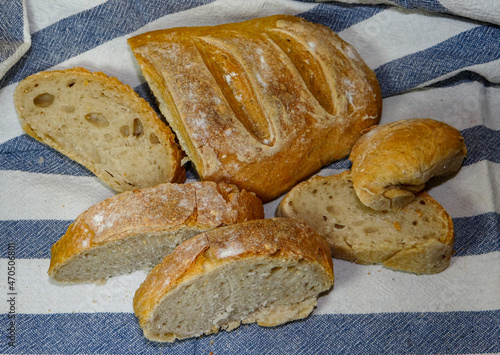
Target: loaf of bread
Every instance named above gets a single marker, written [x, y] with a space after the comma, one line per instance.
[393, 161]
[101, 124]
[263, 103]
[417, 239]
[136, 229]
[268, 271]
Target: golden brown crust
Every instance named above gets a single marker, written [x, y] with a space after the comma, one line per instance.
[393, 161]
[263, 103]
[167, 207]
[279, 238]
[113, 86]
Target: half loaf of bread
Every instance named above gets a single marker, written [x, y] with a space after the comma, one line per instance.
[136, 229]
[102, 124]
[268, 271]
[417, 239]
[263, 103]
[393, 161]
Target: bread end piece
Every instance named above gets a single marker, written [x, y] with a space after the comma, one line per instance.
[102, 124]
[268, 271]
[136, 229]
[417, 239]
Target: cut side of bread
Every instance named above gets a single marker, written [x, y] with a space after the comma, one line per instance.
[268, 271]
[136, 229]
[102, 124]
[267, 102]
[417, 239]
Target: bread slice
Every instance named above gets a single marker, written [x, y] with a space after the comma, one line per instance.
[263, 103]
[102, 124]
[417, 239]
[393, 161]
[136, 229]
[268, 271]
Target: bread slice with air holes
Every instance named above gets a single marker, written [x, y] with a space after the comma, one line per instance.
[136, 229]
[417, 239]
[102, 124]
[268, 271]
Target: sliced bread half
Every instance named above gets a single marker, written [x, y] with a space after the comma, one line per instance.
[136, 229]
[418, 238]
[102, 124]
[268, 271]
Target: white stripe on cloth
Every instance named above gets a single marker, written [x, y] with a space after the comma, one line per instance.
[46, 196]
[358, 289]
[393, 33]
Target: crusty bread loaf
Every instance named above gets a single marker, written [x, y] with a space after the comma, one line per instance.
[417, 239]
[263, 103]
[268, 271]
[102, 124]
[136, 229]
[393, 161]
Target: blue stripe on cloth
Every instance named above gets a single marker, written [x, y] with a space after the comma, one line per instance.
[431, 5]
[25, 153]
[81, 32]
[477, 235]
[32, 238]
[340, 16]
[476, 46]
[11, 27]
[465, 76]
[394, 333]
[474, 235]
[482, 144]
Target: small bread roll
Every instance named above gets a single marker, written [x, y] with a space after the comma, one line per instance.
[393, 161]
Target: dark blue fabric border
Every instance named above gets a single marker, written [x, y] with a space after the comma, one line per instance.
[24, 153]
[386, 333]
[339, 16]
[11, 28]
[83, 31]
[33, 239]
[477, 46]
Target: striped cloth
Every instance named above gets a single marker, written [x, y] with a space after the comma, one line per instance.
[429, 63]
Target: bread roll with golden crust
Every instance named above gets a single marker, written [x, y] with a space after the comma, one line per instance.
[263, 103]
[136, 229]
[102, 124]
[393, 161]
[268, 271]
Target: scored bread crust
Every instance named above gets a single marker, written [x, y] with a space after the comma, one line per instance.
[271, 241]
[169, 212]
[417, 239]
[101, 123]
[393, 161]
[263, 103]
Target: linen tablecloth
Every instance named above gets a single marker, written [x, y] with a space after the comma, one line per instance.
[436, 59]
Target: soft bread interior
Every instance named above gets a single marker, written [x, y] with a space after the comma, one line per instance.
[231, 293]
[419, 237]
[142, 251]
[101, 125]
